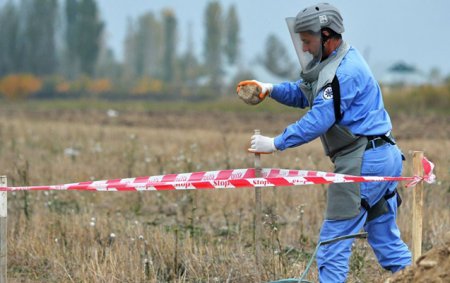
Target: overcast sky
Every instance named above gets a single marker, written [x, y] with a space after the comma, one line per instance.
[385, 31]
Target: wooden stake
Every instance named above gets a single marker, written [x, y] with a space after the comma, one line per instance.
[3, 231]
[258, 208]
[417, 207]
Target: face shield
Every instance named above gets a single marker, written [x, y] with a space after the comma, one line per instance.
[308, 46]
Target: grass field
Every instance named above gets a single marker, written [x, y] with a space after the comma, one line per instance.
[183, 236]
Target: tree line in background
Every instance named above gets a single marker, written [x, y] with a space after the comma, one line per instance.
[52, 48]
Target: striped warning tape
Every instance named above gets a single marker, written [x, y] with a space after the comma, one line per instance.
[226, 179]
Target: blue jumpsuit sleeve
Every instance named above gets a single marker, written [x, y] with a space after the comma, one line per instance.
[290, 94]
[313, 124]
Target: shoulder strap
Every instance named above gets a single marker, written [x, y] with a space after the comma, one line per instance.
[336, 98]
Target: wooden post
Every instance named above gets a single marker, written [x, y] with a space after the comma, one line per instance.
[3, 231]
[417, 207]
[258, 208]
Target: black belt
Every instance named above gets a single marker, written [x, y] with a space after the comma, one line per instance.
[377, 141]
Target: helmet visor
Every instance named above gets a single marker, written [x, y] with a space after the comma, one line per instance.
[308, 46]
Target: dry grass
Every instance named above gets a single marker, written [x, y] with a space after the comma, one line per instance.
[184, 236]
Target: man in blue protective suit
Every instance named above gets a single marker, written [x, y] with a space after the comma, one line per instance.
[348, 114]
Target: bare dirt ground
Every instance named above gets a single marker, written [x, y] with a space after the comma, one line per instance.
[431, 267]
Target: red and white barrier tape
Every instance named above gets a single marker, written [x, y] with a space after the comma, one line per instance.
[226, 179]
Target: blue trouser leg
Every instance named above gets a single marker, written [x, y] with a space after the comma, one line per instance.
[384, 235]
[332, 259]
[384, 238]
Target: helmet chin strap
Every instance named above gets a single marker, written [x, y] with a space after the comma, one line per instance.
[324, 39]
[324, 55]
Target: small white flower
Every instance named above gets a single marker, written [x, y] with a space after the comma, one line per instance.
[72, 152]
[97, 148]
[92, 223]
[56, 240]
[112, 235]
[141, 237]
[112, 113]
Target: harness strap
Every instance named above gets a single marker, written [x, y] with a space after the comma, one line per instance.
[380, 207]
[387, 139]
[336, 99]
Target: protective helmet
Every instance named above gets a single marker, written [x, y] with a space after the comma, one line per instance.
[312, 20]
[319, 16]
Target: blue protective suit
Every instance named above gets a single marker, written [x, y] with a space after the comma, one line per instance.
[361, 103]
[363, 114]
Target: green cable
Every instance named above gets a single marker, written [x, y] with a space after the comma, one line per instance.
[361, 235]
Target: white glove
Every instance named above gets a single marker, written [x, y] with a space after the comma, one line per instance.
[262, 144]
[266, 88]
